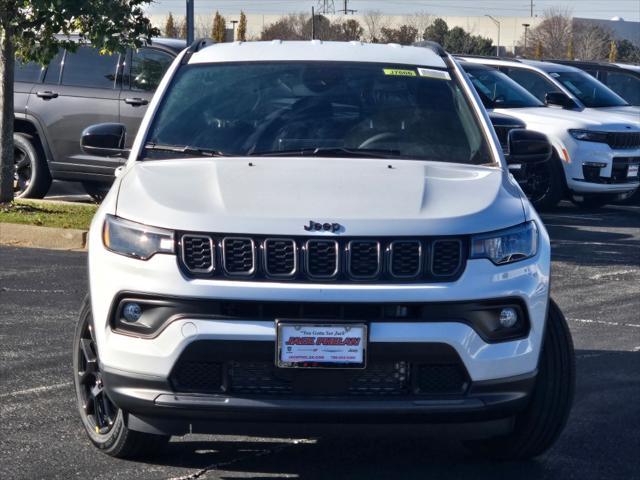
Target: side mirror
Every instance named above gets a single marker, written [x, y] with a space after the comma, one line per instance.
[559, 99]
[104, 140]
[526, 146]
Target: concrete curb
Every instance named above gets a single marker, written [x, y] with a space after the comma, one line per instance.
[19, 235]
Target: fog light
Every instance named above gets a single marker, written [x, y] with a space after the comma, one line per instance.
[508, 317]
[132, 312]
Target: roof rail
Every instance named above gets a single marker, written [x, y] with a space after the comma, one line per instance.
[487, 57]
[434, 46]
[196, 46]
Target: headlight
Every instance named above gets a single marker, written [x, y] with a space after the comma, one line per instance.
[589, 136]
[135, 239]
[506, 246]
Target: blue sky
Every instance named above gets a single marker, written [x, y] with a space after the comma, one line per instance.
[628, 9]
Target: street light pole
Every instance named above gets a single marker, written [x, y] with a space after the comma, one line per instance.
[526, 28]
[233, 26]
[190, 25]
[498, 25]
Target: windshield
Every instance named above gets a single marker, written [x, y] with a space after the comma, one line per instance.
[322, 108]
[497, 90]
[588, 90]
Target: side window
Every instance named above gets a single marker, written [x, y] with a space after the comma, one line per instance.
[147, 69]
[27, 72]
[625, 85]
[87, 68]
[52, 74]
[535, 83]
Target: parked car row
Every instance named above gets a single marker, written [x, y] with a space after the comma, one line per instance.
[53, 104]
[594, 131]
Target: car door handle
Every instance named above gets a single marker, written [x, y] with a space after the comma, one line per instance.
[136, 102]
[47, 95]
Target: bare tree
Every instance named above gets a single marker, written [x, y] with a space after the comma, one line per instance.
[419, 20]
[374, 21]
[554, 32]
[590, 42]
[170, 28]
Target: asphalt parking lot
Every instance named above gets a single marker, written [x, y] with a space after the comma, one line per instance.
[596, 281]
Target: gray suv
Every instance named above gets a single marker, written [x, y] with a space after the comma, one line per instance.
[77, 89]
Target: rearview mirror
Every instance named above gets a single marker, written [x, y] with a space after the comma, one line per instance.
[526, 146]
[559, 99]
[104, 140]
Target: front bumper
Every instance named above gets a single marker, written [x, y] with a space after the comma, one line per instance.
[152, 406]
[596, 168]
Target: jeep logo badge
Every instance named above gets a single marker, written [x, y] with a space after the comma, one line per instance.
[327, 227]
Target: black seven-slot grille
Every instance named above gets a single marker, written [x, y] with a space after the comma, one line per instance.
[322, 259]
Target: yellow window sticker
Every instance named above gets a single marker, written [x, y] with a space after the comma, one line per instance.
[398, 72]
[430, 73]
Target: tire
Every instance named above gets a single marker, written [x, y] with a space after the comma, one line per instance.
[538, 427]
[102, 420]
[593, 202]
[544, 185]
[32, 176]
[97, 191]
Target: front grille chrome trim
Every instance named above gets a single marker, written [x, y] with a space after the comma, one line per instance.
[336, 270]
[212, 246]
[265, 253]
[378, 271]
[248, 273]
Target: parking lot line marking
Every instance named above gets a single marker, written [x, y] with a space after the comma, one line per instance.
[30, 290]
[45, 388]
[604, 322]
[598, 276]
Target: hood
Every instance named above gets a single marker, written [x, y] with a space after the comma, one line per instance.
[629, 113]
[590, 118]
[278, 196]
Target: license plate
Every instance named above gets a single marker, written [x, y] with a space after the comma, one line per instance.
[321, 345]
[633, 171]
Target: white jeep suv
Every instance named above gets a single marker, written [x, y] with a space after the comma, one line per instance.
[310, 234]
[587, 164]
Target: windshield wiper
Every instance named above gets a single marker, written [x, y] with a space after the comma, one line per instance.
[330, 152]
[185, 149]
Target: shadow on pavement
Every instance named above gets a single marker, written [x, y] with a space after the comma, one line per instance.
[600, 441]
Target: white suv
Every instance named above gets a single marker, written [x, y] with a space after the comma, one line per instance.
[588, 165]
[311, 234]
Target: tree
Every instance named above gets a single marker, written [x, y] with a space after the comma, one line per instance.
[242, 27]
[28, 31]
[627, 52]
[437, 31]
[286, 28]
[182, 33]
[404, 35]
[457, 40]
[349, 31]
[570, 52]
[591, 42]
[539, 51]
[170, 29]
[219, 29]
[374, 21]
[613, 52]
[554, 32]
